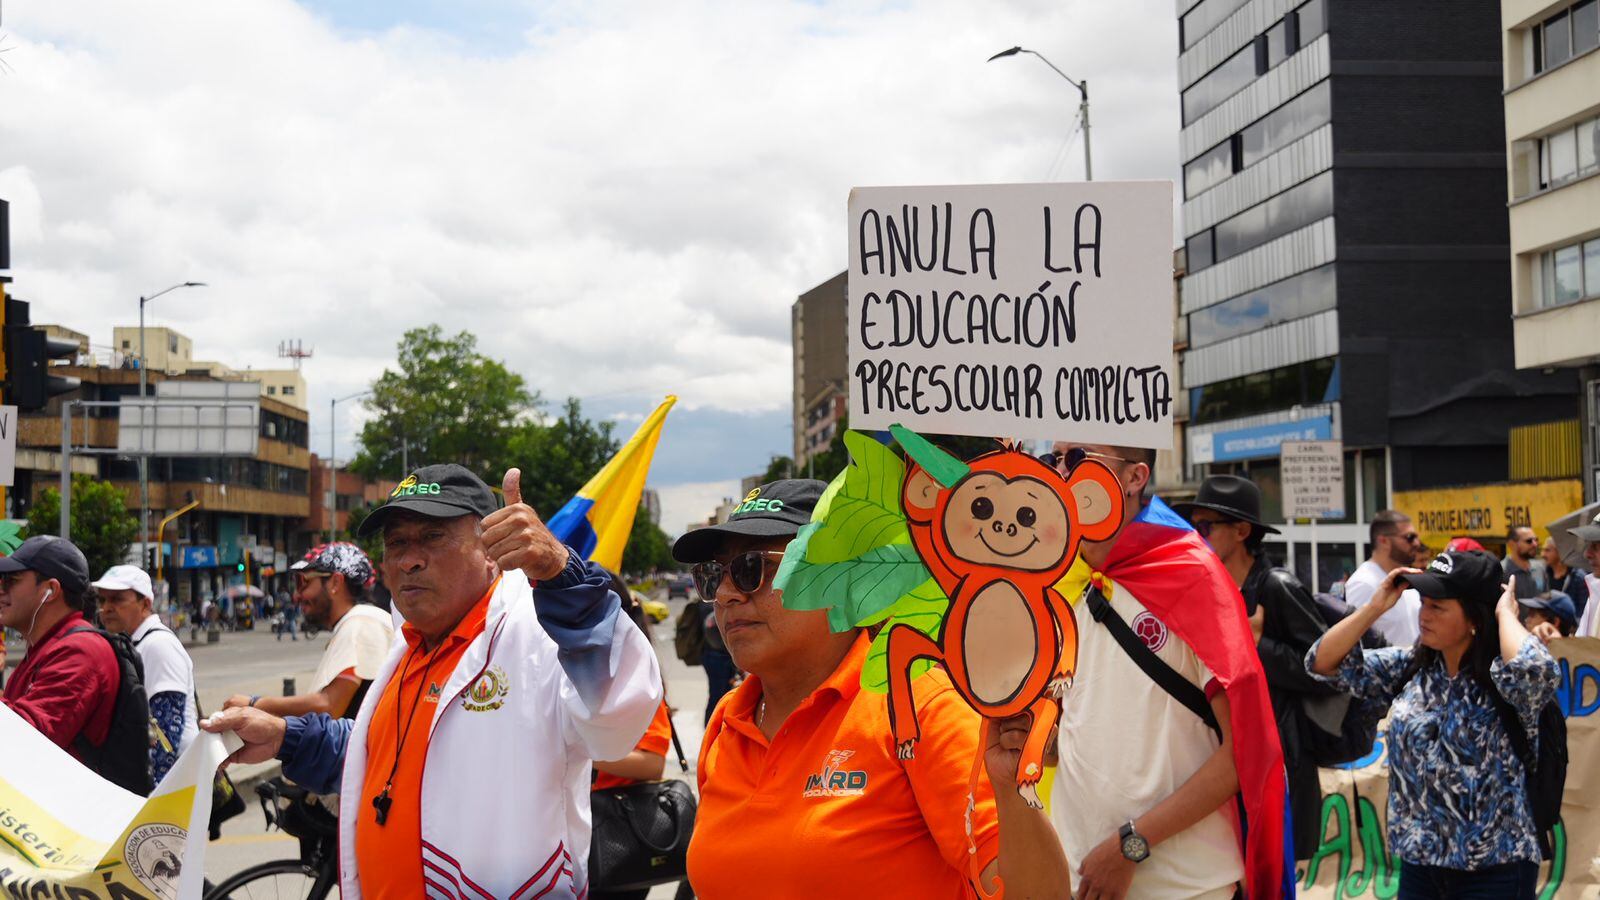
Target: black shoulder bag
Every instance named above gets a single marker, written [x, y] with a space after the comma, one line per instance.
[641, 832]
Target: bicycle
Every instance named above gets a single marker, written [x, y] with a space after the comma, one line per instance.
[314, 875]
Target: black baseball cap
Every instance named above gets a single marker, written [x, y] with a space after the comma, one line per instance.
[775, 509]
[1460, 575]
[445, 491]
[51, 557]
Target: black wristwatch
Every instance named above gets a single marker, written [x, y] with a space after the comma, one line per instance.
[1134, 847]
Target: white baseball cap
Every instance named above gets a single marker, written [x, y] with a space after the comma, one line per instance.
[126, 578]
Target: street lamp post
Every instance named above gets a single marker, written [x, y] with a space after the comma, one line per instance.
[333, 467]
[1083, 104]
[148, 425]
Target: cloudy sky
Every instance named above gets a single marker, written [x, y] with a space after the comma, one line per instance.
[620, 198]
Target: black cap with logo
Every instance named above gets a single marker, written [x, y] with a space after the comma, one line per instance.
[445, 491]
[1460, 575]
[51, 557]
[776, 509]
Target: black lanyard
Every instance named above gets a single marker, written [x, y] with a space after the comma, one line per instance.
[383, 801]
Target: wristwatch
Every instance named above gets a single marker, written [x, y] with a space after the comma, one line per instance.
[1134, 847]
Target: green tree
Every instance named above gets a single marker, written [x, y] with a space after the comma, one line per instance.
[371, 545]
[780, 468]
[648, 547]
[102, 526]
[446, 403]
[558, 457]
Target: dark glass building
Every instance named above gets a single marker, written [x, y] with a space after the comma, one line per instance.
[1346, 236]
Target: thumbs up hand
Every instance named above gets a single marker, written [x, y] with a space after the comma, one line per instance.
[516, 538]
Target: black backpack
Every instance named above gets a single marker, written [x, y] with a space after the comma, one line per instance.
[124, 758]
[1547, 771]
[1358, 727]
[689, 634]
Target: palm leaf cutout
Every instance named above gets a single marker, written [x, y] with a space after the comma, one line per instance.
[10, 538]
[864, 512]
[923, 608]
[852, 591]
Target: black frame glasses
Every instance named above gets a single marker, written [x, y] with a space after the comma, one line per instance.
[1203, 527]
[748, 571]
[1076, 455]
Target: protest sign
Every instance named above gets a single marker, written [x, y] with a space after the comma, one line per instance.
[1354, 859]
[66, 833]
[1018, 310]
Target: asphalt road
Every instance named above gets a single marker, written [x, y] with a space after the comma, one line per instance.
[256, 663]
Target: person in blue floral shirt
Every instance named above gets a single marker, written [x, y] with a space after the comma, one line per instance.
[1459, 816]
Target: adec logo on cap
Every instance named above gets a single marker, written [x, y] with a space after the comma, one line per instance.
[411, 487]
[753, 503]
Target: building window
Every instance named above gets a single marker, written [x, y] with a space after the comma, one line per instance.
[1204, 19]
[172, 342]
[272, 390]
[125, 345]
[1572, 152]
[1291, 210]
[1279, 42]
[1220, 83]
[1569, 274]
[1282, 301]
[1564, 35]
[1266, 136]
[1270, 391]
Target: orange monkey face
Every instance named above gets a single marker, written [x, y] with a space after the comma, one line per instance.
[1013, 512]
[1015, 523]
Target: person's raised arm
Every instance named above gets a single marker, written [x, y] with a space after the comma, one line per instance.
[1343, 637]
[332, 700]
[312, 748]
[612, 682]
[1031, 862]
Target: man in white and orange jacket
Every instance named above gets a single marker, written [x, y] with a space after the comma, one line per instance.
[466, 773]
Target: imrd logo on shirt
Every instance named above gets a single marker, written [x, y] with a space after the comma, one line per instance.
[834, 780]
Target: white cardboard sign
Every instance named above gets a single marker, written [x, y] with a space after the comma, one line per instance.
[8, 445]
[1313, 479]
[1016, 310]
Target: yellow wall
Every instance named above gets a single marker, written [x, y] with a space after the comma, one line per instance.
[1486, 511]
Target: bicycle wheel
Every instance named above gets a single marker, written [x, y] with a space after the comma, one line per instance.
[280, 879]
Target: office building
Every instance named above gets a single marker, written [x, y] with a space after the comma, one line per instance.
[1348, 271]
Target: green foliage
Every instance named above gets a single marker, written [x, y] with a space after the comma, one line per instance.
[780, 468]
[923, 608]
[557, 458]
[10, 538]
[865, 513]
[448, 403]
[371, 545]
[102, 526]
[648, 548]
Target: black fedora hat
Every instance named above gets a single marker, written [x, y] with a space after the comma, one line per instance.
[1232, 496]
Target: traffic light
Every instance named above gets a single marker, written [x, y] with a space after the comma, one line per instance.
[29, 384]
[240, 566]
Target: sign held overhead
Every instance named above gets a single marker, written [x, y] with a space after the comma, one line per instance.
[1019, 310]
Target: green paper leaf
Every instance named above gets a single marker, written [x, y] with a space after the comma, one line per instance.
[945, 469]
[865, 512]
[10, 538]
[922, 608]
[851, 591]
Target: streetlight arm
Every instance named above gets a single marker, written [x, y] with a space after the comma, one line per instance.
[1053, 68]
[144, 300]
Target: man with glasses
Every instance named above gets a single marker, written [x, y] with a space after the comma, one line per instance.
[127, 607]
[1394, 542]
[66, 685]
[1522, 564]
[1148, 772]
[330, 584]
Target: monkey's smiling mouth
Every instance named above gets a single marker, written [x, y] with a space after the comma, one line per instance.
[986, 543]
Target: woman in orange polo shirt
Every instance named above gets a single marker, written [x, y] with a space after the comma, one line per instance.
[802, 794]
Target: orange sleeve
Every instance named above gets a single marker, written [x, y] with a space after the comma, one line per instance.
[941, 770]
[658, 737]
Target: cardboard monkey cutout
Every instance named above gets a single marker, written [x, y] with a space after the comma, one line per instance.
[959, 560]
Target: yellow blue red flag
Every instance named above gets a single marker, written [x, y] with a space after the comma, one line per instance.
[598, 520]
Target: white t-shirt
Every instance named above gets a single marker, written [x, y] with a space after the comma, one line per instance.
[1399, 625]
[167, 667]
[1589, 622]
[360, 641]
[1126, 745]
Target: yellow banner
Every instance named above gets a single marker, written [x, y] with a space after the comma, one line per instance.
[1487, 511]
[66, 833]
[1354, 858]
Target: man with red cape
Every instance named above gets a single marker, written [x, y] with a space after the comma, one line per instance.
[1153, 797]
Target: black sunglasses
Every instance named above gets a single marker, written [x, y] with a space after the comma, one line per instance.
[1203, 527]
[748, 570]
[1070, 459]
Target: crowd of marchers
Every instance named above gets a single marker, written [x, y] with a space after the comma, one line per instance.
[457, 737]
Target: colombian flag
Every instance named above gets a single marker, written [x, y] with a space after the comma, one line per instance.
[598, 520]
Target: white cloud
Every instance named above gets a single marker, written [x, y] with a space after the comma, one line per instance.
[692, 501]
[629, 201]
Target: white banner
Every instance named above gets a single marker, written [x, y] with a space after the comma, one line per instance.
[66, 833]
[1014, 310]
